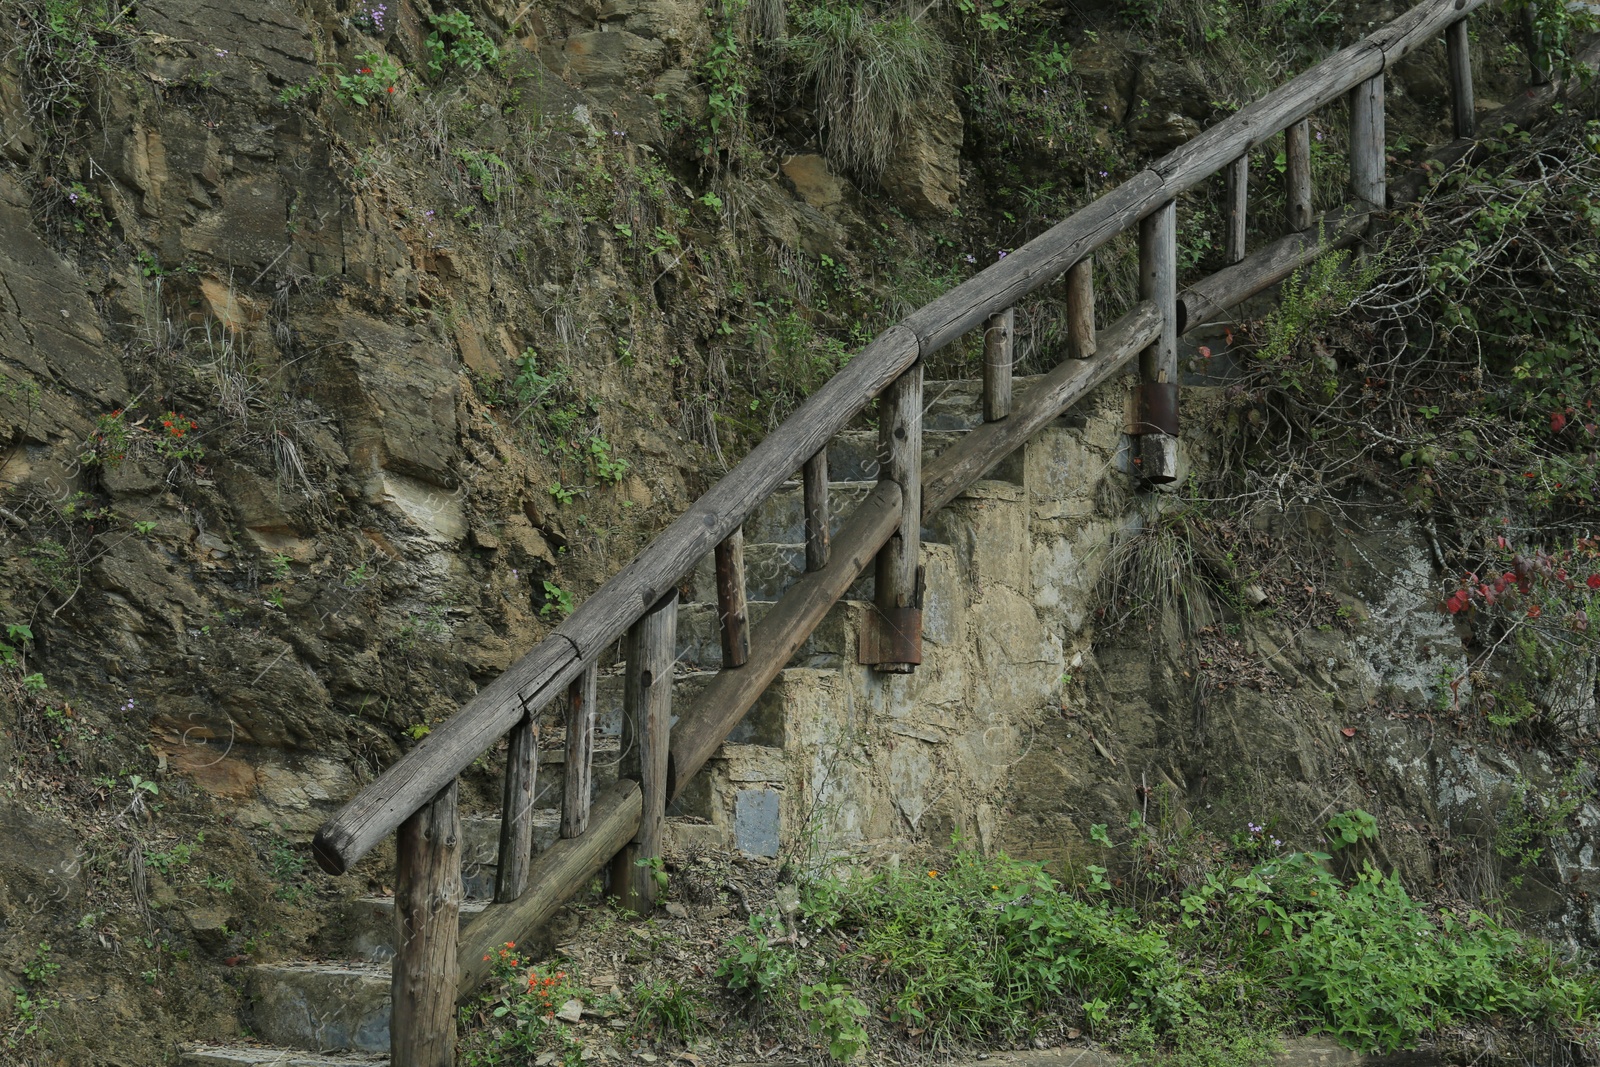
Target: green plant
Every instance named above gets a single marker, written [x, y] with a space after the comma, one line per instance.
[1350, 827]
[457, 43]
[557, 602]
[293, 94]
[756, 966]
[663, 1006]
[41, 967]
[726, 71]
[1534, 816]
[836, 1015]
[375, 79]
[12, 649]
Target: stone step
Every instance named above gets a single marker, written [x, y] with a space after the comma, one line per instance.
[322, 1007]
[700, 639]
[853, 455]
[958, 404]
[365, 926]
[265, 1056]
[770, 569]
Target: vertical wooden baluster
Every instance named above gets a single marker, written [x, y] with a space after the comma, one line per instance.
[646, 721]
[427, 911]
[1538, 71]
[579, 761]
[516, 812]
[1158, 363]
[1461, 103]
[731, 609]
[1080, 309]
[892, 641]
[1367, 164]
[814, 478]
[1238, 197]
[1297, 153]
[997, 364]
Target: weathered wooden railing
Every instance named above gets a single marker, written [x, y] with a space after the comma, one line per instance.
[417, 795]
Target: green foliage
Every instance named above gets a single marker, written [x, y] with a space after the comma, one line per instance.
[728, 73]
[1350, 827]
[1535, 816]
[457, 43]
[869, 70]
[836, 1013]
[1203, 969]
[756, 966]
[375, 79]
[1309, 300]
[663, 1007]
[515, 1021]
[557, 601]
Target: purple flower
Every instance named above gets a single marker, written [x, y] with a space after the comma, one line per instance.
[1001, 254]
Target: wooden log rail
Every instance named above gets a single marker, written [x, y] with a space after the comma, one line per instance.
[416, 796]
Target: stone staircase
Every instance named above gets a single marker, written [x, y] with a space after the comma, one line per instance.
[331, 1012]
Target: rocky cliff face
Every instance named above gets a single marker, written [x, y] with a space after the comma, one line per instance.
[319, 402]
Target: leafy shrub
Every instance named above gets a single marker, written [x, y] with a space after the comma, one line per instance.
[457, 43]
[757, 967]
[375, 79]
[990, 949]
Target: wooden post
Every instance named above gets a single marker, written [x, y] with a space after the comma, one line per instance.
[814, 478]
[997, 364]
[1297, 152]
[646, 722]
[1367, 163]
[1080, 309]
[731, 609]
[892, 640]
[579, 761]
[1158, 363]
[516, 811]
[427, 911]
[1238, 197]
[1461, 103]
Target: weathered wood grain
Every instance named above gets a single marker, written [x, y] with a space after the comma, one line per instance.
[1080, 309]
[516, 811]
[1158, 363]
[578, 758]
[814, 490]
[646, 729]
[1368, 163]
[900, 444]
[1457, 50]
[1297, 174]
[1237, 197]
[997, 364]
[733, 615]
[427, 910]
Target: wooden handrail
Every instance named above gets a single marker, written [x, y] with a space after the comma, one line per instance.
[417, 795]
[606, 615]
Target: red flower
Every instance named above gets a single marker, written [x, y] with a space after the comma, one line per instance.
[391, 88]
[1535, 611]
[1558, 420]
[1594, 581]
